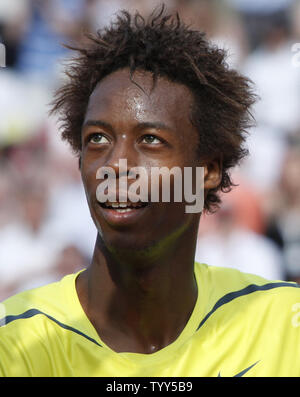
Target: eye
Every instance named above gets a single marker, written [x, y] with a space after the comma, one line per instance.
[151, 139]
[98, 138]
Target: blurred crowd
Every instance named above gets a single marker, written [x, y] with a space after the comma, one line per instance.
[45, 227]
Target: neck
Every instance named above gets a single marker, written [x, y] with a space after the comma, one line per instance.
[140, 302]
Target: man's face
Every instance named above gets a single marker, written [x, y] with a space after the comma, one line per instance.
[148, 129]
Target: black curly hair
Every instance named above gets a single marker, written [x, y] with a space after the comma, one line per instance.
[165, 46]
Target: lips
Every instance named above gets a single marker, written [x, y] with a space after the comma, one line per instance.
[119, 214]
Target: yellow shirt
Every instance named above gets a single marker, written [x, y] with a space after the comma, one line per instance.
[242, 325]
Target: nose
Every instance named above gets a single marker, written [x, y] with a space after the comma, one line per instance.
[122, 157]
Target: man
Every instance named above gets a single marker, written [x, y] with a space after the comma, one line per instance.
[155, 94]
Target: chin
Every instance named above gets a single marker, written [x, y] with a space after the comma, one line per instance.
[126, 242]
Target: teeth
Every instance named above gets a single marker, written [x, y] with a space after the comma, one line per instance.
[124, 210]
[118, 205]
[122, 207]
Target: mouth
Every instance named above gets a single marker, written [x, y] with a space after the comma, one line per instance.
[123, 214]
[123, 207]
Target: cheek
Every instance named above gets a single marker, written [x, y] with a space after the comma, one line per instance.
[88, 176]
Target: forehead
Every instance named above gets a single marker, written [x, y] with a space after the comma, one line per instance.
[117, 96]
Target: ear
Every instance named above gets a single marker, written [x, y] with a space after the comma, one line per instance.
[212, 174]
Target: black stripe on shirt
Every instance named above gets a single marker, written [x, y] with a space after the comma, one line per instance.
[33, 312]
[222, 301]
[245, 291]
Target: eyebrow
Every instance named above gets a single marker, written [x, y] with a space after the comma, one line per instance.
[140, 126]
[97, 123]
